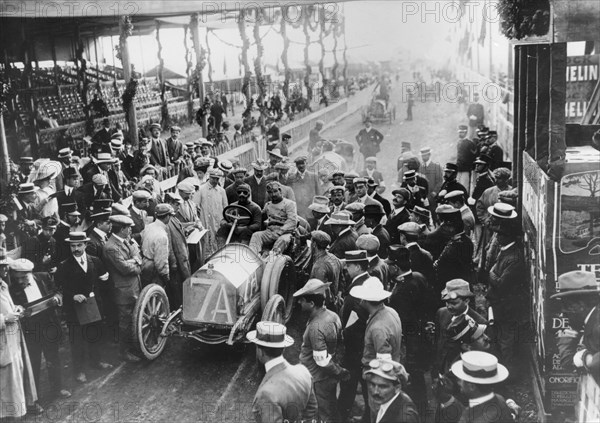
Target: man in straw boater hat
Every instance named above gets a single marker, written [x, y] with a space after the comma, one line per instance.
[342, 229]
[354, 323]
[383, 333]
[579, 298]
[286, 392]
[386, 380]
[478, 372]
[319, 346]
[507, 288]
[124, 264]
[43, 329]
[457, 295]
[81, 277]
[25, 165]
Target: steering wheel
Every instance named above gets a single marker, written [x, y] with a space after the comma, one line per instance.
[236, 213]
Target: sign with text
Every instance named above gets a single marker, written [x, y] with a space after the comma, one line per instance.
[582, 77]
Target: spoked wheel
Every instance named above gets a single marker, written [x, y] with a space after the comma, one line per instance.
[150, 314]
[275, 310]
[279, 277]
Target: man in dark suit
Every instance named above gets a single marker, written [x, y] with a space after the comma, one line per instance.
[478, 372]
[243, 230]
[475, 114]
[258, 183]
[450, 184]
[372, 191]
[41, 249]
[420, 260]
[180, 261]
[100, 163]
[80, 277]
[239, 175]
[466, 151]
[342, 228]
[432, 171]
[159, 155]
[70, 193]
[272, 134]
[418, 192]
[98, 189]
[43, 329]
[354, 324]
[385, 379]
[124, 264]
[137, 210]
[368, 140]
[373, 215]
[69, 219]
[456, 259]
[175, 148]
[102, 137]
[286, 392]
[457, 296]
[399, 215]
[98, 232]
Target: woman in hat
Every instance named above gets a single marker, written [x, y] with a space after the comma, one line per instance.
[46, 204]
[17, 386]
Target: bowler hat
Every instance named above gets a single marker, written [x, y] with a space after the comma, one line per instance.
[373, 210]
[270, 334]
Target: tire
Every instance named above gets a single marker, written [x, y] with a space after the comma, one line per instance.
[275, 310]
[150, 313]
[279, 277]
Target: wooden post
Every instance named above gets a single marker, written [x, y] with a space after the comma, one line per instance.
[518, 114]
[5, 176]
[198, 51]
[530, 103]
[542, 110]
[128, 74]
[557, 121]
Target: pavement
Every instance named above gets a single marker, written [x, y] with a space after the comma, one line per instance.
[191, 381]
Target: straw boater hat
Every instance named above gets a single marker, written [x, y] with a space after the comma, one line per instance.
[502, 211]
[63, 153]
[225, 165]
[312, 287]
[270, 334]
[425, 150]
[104, 158]
[259, 165]
[577, 282]
[480, 368]
[370, 290]
[320, 204]
[454, 194]
[27, 188]
[204, 141]
[77, 237]
[340, 218]
[355, 256]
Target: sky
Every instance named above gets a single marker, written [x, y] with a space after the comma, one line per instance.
[375, 30]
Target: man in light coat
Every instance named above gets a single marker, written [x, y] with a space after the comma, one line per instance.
[124, 265]
[155, 248]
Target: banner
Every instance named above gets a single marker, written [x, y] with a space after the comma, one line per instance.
[582, 77]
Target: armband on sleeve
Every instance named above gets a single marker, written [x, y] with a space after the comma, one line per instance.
[322, 358]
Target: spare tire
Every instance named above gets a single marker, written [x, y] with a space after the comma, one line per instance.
[279, 277]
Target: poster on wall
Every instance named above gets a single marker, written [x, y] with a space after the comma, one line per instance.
[582, 78]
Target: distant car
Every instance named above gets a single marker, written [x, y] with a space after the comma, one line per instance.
[379, 111]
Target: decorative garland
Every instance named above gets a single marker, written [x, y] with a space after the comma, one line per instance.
[227, 43]
[334, 68]
[260, 50]
[129, 95]
[248, 72]
[306, 61]
[126, 32]
[284, 53]
[523, 18]
[210, 68]
[164, 109]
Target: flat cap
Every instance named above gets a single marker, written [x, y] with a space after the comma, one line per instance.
[301, 159]
[120, 209]
[359, 181]
[321, 238]
[368, 242]
[243, 187]
[163, 209]
[21, 265]
[185, 186]
[122, 220]
[355, 207]
[456, 288]
[410, 228]
[141, 194]
[446, 209]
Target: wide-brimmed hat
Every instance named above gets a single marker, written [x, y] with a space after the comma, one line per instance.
[270, 334]
[276, 152]
[320, 204]
[371, 290]
[48, 170]
[387, 369]
[456, 288]
[502, 211]
[77, 237]
[312, 287]
[103, 157]
[259, 165]
[577, 282]
[479, 367]
[340, 218]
